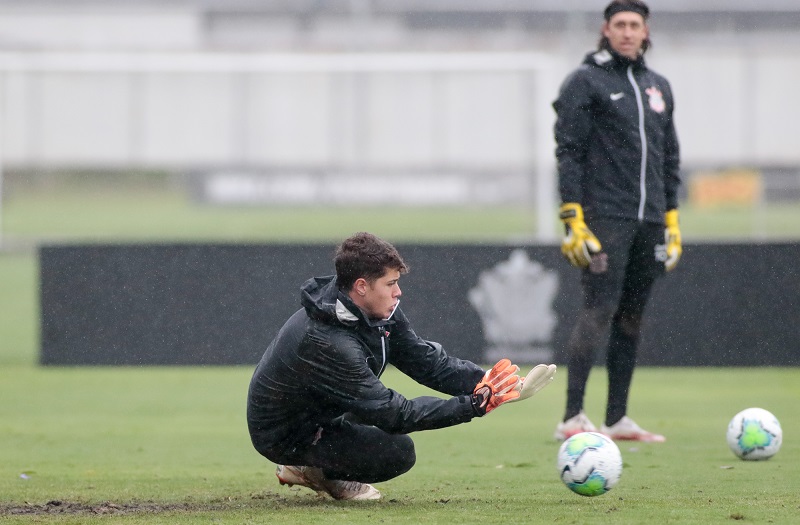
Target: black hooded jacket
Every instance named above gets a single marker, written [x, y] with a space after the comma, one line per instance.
[617, 149]
[326, 362]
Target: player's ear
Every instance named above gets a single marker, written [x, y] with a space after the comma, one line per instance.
[360, 286]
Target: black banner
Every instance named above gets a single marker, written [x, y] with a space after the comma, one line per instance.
[218, 304]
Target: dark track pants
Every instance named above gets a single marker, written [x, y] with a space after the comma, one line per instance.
[349, 451]
[614, 303]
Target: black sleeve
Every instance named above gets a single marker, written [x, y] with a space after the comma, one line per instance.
[672, 177]
[344, 380]
[572, 129]
[427, 363]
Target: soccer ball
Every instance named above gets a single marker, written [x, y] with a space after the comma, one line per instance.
[754, 434]
[589, 463]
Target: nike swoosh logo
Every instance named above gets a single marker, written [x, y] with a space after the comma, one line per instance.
[617, 96]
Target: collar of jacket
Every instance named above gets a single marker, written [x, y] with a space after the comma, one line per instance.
[343, 314]
[609, 59]
[323, 300]
[347, 312]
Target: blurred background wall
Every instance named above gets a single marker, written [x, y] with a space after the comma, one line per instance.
[279, 100]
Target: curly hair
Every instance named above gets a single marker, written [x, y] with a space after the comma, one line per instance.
[363, 255]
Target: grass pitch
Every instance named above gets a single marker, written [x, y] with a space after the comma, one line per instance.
[113, 213]
[170, 445]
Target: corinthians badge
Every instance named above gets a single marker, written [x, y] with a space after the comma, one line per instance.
[656, 99]
[515, 303]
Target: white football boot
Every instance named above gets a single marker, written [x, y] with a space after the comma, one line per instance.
[574, 425]
[314, 479]
[626, 429]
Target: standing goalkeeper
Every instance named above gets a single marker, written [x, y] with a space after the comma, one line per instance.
[316, 404]
[618, 166]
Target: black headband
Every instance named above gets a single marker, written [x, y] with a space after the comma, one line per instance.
[614, 8]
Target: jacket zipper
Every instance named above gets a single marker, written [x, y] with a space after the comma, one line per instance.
[383, 351]
[384, 334]
[643, 138]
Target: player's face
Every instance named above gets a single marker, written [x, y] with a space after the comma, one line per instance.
[625, 32]
[379, 298]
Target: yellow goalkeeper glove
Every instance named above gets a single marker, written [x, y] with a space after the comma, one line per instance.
[579, 243]
[672, 236]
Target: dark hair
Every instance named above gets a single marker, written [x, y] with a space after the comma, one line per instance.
[618, 6]
[365, 255]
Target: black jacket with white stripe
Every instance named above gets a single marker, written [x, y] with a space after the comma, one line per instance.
[617, 149]
[326, 361]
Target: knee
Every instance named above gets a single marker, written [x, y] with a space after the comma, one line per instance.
[629, 324]
[594, 321]
[401, 456]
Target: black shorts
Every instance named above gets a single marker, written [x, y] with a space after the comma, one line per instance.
[635, 253]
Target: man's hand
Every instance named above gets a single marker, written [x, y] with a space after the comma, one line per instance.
[499, 385]
[579, 243]
[672, 236]
[539, 377]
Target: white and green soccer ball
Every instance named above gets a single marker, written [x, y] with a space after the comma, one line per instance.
[754, 434]
[589, 463]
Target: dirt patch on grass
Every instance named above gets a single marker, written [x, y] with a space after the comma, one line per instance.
[71, 507]
[56, 507]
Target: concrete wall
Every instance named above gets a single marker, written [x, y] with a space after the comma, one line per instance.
[731, 110]
[731, 69]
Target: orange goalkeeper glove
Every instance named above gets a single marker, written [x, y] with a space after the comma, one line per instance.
[672, 236]
[539, 377]
[499, 385]
[579, 243]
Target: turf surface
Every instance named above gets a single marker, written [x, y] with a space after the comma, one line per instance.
[169, 445]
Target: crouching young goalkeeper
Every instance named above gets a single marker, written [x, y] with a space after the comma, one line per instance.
[316, 405]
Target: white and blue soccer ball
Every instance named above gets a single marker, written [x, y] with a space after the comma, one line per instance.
[754, 434]
[589, 463]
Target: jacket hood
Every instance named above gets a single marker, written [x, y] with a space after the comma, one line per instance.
[323, 300]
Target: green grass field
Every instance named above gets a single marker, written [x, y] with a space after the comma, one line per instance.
[169, 445]
[136, 215]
